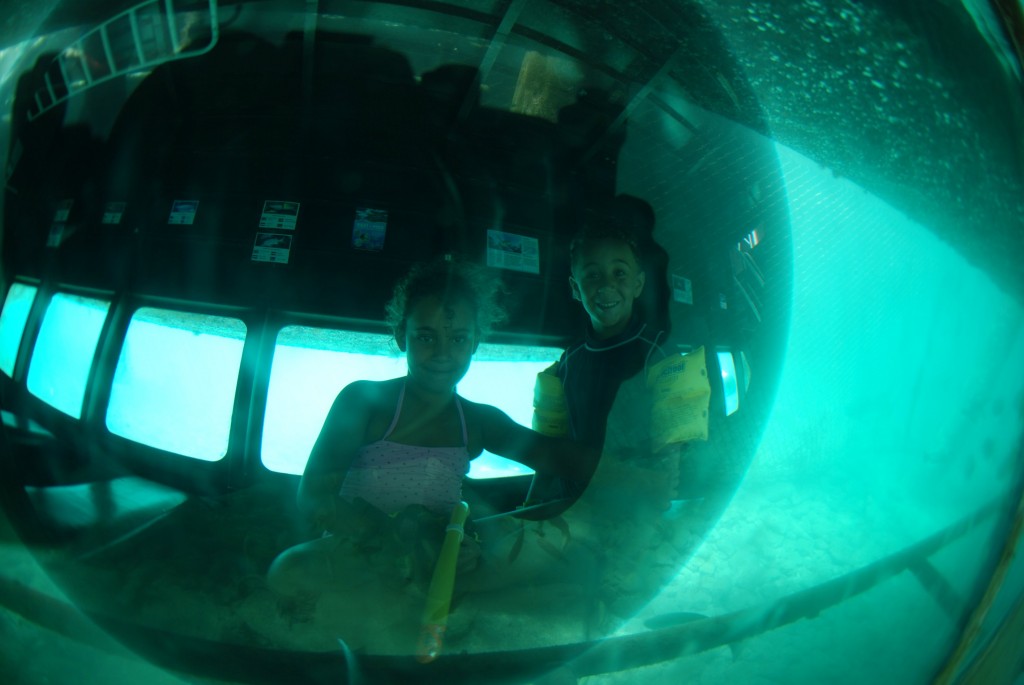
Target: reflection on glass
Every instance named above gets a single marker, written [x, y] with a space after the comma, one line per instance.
[62, 358]
[732, 393]
[174, 387]
[311, 365]
[12, 323]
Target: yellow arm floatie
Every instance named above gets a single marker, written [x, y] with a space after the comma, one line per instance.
[550, 411]
[680, 395]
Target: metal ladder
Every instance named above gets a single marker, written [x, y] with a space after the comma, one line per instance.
[138, 39]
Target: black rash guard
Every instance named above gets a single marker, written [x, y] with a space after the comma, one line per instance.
[591, 372]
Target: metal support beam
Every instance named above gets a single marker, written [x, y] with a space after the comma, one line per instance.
[497, 44]
[627, 111]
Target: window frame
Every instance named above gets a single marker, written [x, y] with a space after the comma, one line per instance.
[242, 465]
[32, 320]
[113, 360]
[40, 409]
[359, 327]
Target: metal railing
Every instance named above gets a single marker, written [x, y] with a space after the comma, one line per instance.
[139, 39]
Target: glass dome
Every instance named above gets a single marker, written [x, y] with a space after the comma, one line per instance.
[207, 206]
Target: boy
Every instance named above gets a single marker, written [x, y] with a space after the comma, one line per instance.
[608, 277]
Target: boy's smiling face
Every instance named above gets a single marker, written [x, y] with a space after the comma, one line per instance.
[606, 279]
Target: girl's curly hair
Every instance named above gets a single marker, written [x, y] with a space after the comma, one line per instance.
[448, 280]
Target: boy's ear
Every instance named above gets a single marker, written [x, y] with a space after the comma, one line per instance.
[400, 337]
[575, 287]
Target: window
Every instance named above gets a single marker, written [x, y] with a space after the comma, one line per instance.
[732, 393]
[312, 365]
[174, 387]
[63, 354]
[12, 323]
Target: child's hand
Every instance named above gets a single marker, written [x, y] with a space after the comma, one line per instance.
[364, 523]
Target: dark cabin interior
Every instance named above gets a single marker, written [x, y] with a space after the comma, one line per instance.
[148, 146]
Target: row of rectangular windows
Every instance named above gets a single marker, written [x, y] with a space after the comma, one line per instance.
[175, 379]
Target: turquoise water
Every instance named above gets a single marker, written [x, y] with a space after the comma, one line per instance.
[900, 408]
[61, 379]
[12, 323]
[312, 365]
[174, 387]
[890, 423]
[174, 384]
[899, 411]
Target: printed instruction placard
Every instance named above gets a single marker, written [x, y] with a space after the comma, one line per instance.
[682, 289]
[272, 247]
[369, 229]
[279, 215]
[183, 212]
[112, 212]
[513, 251]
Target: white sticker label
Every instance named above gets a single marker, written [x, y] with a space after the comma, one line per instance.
[183, 212]
[272, 247]
[512, 251]
[682, 290]
[112, 212]
[279, 215]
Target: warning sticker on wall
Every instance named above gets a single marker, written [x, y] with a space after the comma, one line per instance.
[682, 290]
[272, 247]
[369, 229]
[514, 252]
[183, 212]
[278, 214]
[112, 212]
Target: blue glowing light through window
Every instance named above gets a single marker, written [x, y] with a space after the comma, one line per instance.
[504, 376]
[64, 350]
[174, 387]
[732, 393]
[12, 323]
[311, 365]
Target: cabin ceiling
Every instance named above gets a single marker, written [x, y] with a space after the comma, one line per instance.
[906, 99]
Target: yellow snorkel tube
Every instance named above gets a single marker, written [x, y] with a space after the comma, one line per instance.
[439, 594]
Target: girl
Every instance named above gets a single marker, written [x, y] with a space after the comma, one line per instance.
[404, 445]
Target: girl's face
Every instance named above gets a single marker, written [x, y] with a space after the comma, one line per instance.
[439, 341]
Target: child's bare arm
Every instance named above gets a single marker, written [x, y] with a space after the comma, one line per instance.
[335, 449]
[551, 456]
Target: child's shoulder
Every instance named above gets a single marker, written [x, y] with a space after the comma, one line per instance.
[372, 392]
[477, 412]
